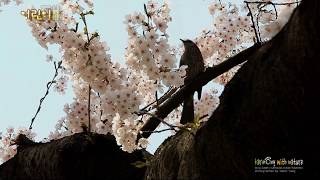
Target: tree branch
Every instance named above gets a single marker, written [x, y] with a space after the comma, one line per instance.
[49, 84]
[163, 98]
[89, 112]
[254, 25]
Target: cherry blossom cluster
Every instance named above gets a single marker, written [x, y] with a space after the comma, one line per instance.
[232, 30]
[115, 92]
[229, 30]
[149, 53]
[126, 132]
[207, 104]
[112, 90]
[61, 84]
[75, 7]
[152, 61]
[8, 148]
[7, 2]
[270, 18]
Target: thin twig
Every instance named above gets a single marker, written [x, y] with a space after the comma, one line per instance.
[158, 131]
[204, 116]
[75, 29]
[275, 10]
[89, 111]
[269, 2]
[49, 84]
[86, 31]
[83, 17]
[160, 119]
[164, 97]
[86, 27]
[157, 99]
[253, 24]
[258, 27]
[100, 102]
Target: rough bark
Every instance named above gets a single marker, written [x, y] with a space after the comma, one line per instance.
[269, 108]
[80, 156]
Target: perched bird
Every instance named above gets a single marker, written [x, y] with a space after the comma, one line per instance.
[191, 57]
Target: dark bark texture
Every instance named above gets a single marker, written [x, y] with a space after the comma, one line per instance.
[269, 108]
[81, 156]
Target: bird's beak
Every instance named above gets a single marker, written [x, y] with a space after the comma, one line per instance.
[182, 40]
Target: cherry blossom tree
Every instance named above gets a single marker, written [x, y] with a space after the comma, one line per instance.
[120, 98]
[129, 101]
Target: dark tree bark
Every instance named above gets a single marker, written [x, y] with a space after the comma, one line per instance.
[270, 108]
[80, 156]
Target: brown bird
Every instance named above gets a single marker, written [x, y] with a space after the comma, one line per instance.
[191, 57]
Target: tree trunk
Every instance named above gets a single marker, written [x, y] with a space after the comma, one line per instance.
[80, 156]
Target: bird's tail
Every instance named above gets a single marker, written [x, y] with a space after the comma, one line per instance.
[187, 111]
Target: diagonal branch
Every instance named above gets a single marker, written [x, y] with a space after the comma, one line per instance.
[201, 80]
[49, 84]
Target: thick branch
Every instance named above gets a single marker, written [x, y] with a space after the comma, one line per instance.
[201, 80]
